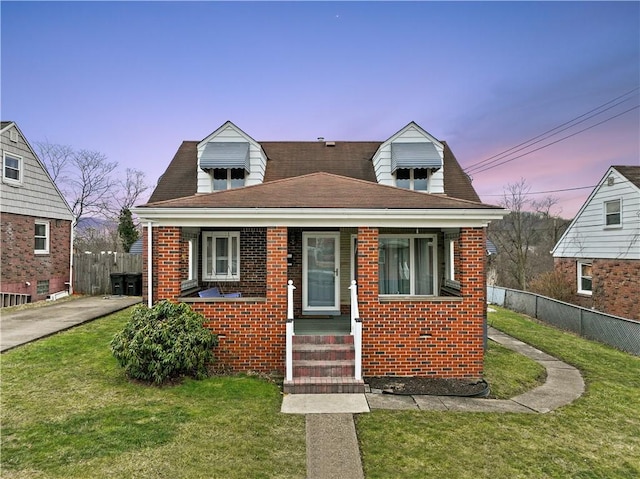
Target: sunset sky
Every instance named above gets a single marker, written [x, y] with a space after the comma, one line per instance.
[135, 79]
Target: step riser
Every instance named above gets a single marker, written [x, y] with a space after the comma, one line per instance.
[302, 339]
[331, 355]
[356, 388]
[324, 371]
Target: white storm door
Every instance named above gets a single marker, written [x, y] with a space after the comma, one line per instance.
[321, 272]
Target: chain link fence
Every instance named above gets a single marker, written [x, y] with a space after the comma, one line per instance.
[618, 332]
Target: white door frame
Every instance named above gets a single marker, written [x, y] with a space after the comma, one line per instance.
[335, 309]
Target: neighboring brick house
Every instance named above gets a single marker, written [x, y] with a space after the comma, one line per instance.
[36, 225]
[398, 217]
[599, 254]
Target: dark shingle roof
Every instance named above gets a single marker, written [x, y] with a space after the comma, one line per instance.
[289, 159]
[631, 173]
[320, 190]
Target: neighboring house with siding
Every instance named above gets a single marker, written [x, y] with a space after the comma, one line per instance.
[233, 220]
[36, 224]
[600, 251]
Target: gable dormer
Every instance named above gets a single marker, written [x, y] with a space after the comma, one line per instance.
[411, 159]
[229, 158]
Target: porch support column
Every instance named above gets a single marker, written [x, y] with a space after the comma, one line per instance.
[168, 259]
[149, 264]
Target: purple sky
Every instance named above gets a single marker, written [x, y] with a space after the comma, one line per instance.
[133, 80]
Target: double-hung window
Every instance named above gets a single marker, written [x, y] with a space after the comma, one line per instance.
[413, 178]
[584, 278]
[612, 214]
[41, 237]
[227, 178]
[407, 265]
[220, 256]
[12, 169]
[191, 280]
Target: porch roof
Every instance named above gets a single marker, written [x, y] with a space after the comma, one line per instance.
[321, 198]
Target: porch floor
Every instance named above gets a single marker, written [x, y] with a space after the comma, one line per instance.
[331, 325]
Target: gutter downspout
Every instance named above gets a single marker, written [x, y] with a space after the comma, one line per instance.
[149, 265]
[73, 228]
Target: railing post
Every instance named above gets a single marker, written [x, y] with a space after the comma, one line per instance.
[355, 313]
[356, 329]
[289, 333]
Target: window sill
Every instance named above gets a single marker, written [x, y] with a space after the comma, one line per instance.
[586, 294]
[410, 299]
[222, 300]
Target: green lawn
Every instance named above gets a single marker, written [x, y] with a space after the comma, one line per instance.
[69, 412]
[597, 436]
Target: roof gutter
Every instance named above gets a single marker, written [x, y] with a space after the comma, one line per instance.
[319, 217]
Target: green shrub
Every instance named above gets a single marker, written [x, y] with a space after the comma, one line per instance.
[164, 342]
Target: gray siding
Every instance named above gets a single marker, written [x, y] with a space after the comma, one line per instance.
[37, 195]
[588, 237]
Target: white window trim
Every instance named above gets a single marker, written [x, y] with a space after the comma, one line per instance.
[412, 179]
[192, 272]
[412, 264]
[579, 274]
[604, 212]
[220, 234]
[11, 181]
[47, 237]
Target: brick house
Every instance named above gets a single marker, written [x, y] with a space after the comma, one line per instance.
[599, 254]
[326, 260]
[36, 225]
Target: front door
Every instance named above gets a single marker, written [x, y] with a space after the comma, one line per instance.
[321, 273]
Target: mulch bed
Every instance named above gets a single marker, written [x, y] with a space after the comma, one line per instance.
[427, 386]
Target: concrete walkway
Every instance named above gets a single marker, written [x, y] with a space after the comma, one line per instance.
[32, 323]
[332, 443]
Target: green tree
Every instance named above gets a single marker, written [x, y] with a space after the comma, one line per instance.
[127, 230]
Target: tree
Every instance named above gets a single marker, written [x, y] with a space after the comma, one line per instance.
[525, 236]
[127, 230]
[95, 193]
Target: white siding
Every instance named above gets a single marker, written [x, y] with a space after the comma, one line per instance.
[230, 133]
[37, 195]
[410, 134]
[588, 237]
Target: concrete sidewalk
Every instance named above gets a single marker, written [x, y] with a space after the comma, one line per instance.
[332, 443]
[29, 324]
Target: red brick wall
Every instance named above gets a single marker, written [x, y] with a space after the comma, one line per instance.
[21, 265]
[615, 285]
[251, 332]
[433, 338]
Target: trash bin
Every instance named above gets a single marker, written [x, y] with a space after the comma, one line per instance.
[133, 285]
[117, 284]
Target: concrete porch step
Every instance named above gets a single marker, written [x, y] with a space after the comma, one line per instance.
[335, 385]
[322, 339]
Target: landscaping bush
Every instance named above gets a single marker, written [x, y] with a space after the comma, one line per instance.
[553, 284]
[164, 342]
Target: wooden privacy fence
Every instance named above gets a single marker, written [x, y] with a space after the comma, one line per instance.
[92, 271]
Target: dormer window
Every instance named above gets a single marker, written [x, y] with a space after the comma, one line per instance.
[227, 162]
[413, 178]
[227, 178]
[412, 163]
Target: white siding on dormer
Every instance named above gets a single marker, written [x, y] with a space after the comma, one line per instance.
[230, 133]
[36, 195]
[410, 134]
[588, 237]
